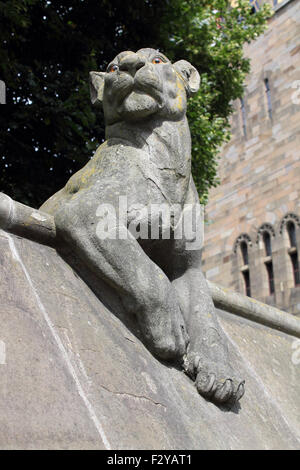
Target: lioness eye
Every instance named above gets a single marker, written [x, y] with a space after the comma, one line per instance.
[113, 68]
[157, 60]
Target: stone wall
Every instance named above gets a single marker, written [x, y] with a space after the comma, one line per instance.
[74, 377]
[260, 172]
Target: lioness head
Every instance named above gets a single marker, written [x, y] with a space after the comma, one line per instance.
[140, 84]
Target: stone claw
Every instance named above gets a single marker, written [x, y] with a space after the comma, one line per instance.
[219, 392]
[206, 384]
[191, 365]
[240, 391]
[223, 391]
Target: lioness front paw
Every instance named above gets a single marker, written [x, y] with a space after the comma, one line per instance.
[214, 382]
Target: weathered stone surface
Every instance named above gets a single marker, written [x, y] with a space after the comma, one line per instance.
[254, 310]
[75, 377]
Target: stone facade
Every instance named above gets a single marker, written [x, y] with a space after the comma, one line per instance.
[252, 233]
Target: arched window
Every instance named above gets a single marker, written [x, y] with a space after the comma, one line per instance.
[270, 273]
[288, 228]
[241, 250]
[267, 243]
[268, 260]
[264, 238]
[245, 268]
[291, 230]
[246, 276]
[244, 251]
[268, 95]
[295, 266]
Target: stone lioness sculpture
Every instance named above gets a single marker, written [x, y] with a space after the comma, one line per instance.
[147, 158]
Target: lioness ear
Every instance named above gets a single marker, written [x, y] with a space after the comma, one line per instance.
[96, 87]
[190, 76]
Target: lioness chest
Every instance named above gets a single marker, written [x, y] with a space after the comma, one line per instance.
[118, 170]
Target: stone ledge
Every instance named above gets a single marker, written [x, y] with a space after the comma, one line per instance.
[74, 377]
[26, 222]
[254, 310]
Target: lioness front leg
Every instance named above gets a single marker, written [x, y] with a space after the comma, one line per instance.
[208, 359]
[145, 290]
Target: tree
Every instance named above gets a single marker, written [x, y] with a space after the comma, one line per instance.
[49, 128]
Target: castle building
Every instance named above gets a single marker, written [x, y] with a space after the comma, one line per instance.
[252, 231]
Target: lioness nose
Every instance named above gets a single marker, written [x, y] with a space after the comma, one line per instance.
[132, 63]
